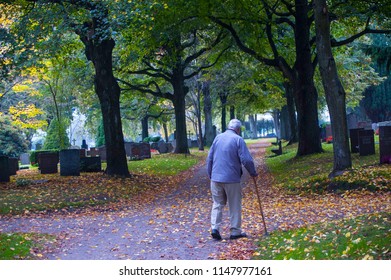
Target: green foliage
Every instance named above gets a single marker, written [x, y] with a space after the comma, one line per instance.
[56, 137]
[12, 142]
[153, 139]
[364, 237]
[100, 136]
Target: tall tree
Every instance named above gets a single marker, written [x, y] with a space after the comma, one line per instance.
[170, 61]
[334, 91]
[90, 21]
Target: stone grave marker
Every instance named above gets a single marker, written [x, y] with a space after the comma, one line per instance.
[4, 169]
[70, 162]
[140, 150]
[84, 144]
[366, 141]
[13, 165]
[94, 152]
[47, 162]
[90, 164]
[25, 159]
[354, 144]
[385, 142]
[102, 152]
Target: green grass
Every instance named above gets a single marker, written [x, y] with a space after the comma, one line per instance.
[166, 164]
[22, 246]
[310, 173]
[364, 237]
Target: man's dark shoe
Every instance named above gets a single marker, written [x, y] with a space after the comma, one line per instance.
[216, 234]
[238, 236]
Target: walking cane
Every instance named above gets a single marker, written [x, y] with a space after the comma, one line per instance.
[260, 205]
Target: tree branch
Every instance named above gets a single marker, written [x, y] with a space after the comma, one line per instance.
[146, 88]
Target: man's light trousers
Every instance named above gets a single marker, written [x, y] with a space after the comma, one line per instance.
[221, 194]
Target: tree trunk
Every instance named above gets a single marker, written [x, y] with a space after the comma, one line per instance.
[253, 126]
[165, 131]
[231, 112]
[200, 135]
[179, 103]
[209, 135]
[335, 93]
[277, 122]
[285, 124]
[290, 104]
[144, 127]
[223, 99]
[108, 91]
[306, 95]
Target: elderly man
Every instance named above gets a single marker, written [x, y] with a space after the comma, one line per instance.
[224, 163]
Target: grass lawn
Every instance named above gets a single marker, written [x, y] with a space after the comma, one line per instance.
[24, 246]
[365, 237]
[310, 173]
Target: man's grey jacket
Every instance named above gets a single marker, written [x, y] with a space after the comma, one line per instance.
[226, 156]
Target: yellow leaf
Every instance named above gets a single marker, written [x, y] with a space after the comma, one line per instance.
[347, 234]
[368, 257]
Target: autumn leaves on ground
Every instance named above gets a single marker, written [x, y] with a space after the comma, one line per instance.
[157, 215]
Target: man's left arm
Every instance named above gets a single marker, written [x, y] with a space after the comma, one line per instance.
[246, 158]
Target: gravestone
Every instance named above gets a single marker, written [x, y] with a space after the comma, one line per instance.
[94, 152]
[102, 152]
[128, 148]
[84, 144]
[366, 141]
[385, 142]
[140, 150]
[82, 152]
[328, 131]
[47, 162]
[24, 159]
[70, 162]
[90, 164]
[354, 148]
[4, 169]
[13, 165]
[164, 147]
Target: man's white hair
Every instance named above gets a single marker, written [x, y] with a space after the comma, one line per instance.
[234, 124]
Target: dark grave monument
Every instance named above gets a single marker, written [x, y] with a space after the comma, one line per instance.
[70, 162]
[354, 143]
[385, 143]
[47, 162]
[164, 147]
[93, 152]
[82, 152]
[366, 141]
[90, 164]
[84, 144]
[102, 152]
[140, 150]
[4, 169]
[13, 165]
[24, 159]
